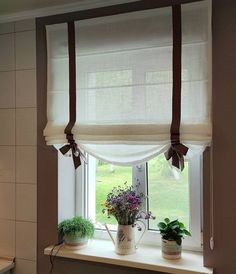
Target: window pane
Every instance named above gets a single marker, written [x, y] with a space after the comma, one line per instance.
[107, 177]
[168, 192]
[116, 78]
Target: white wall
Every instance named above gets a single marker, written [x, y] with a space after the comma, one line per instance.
[18, 144]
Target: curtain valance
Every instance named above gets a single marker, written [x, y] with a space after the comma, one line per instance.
[124, 83]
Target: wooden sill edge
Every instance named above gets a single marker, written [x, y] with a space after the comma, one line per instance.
[146, 257]
[6, 264]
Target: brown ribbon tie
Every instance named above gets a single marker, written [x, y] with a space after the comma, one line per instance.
[71, 145]
[176, 153]
[77, 154]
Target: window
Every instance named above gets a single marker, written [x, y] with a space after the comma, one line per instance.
[124, 111]
[170, 194]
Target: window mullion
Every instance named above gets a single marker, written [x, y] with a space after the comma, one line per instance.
[139, 179]
[195, 198]
[80, 191]
[91, 189]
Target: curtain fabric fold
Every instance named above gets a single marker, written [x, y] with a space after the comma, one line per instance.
[124, 79]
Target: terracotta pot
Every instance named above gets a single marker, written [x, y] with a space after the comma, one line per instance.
[171, 250]
[72, 242]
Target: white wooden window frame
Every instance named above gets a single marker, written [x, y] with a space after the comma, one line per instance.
[86, 200]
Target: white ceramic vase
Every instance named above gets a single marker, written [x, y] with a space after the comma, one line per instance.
[125, 240]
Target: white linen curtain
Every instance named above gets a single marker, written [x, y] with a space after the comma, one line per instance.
[124, 83]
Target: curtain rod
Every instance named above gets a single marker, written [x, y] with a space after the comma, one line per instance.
[109, 10]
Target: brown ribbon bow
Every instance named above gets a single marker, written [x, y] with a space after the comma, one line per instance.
[76, 153]
[176, 153]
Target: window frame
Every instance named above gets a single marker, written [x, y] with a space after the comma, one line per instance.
[86, 201]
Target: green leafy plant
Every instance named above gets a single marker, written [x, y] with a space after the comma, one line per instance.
[173, 230]
[76, 227]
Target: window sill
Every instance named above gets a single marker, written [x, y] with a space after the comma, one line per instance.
[6, 265]
[146, 257]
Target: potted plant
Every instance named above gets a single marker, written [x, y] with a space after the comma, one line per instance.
[125, 204]
[172, 233]
[75, 232]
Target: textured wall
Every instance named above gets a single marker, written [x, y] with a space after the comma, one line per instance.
[18, 141]
[224, 113]
[224, 102]
[63, 266]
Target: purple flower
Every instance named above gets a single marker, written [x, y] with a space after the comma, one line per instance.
[124, 203]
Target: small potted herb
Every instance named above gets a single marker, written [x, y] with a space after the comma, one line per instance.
[172, 233]
[75, 232]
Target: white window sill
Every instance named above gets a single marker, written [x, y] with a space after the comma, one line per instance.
[146, 257]
[6, 265]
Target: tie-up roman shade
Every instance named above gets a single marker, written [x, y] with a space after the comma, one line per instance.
[124, 83]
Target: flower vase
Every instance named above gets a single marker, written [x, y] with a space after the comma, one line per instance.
[125, 240]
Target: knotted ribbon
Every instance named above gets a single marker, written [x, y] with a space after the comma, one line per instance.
[176, 153]
[76, 153]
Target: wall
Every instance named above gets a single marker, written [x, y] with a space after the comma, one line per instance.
[66, 266]
[18, 144]
[224, 132]
[224, 150]
[18, 155]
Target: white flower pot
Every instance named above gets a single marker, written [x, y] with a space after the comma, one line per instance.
[72, 242]
[171, 250]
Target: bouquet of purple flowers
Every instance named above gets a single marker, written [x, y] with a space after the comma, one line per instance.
[125, 204]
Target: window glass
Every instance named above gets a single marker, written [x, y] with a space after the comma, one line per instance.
[110, 78]
[164, 76]
[107, 177]
[168, 192]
